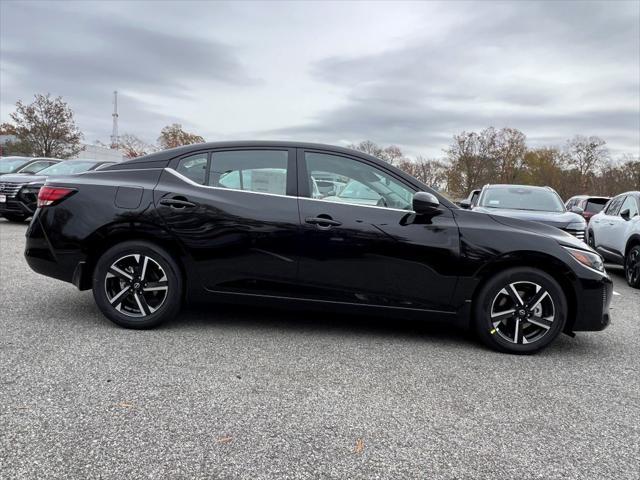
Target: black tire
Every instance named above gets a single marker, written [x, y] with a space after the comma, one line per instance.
[591, 240]
[14, 217]
[632, 266]
[495, 297]
[115, 294]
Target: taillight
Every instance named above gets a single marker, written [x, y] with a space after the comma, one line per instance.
[50, 195]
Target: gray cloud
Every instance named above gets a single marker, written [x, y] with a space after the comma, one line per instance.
[477, 75]
[551, 69]
[84, 56]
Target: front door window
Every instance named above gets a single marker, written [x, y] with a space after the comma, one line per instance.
[343, 180]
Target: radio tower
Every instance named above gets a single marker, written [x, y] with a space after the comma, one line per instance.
[115, 139]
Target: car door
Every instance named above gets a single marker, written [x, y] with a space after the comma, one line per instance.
[628, 210]
[605, 225]
[363, 244]
[236, 214]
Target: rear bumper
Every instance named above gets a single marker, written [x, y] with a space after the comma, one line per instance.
[43, 259]
[592, 306]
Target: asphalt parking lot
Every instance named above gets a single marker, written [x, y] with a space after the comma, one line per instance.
[228, 392]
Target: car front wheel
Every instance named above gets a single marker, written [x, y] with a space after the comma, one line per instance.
[137, 285]
[520, 310]
[632, 267]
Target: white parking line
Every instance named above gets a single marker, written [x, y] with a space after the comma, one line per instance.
[616, 293]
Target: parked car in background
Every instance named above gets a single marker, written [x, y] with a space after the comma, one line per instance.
[615, 234]
[25, 164]
[589, 205]
[472, 200]
[537, 204]
[19, 192]
[244, 222]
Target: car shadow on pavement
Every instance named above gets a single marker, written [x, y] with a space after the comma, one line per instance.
[249, 317]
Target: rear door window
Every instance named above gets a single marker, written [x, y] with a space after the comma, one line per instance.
[194, 167]
[261, 171]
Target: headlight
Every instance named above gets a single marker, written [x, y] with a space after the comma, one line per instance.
[588, 259]
[577, 226]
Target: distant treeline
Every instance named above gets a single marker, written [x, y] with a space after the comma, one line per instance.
[582, 166]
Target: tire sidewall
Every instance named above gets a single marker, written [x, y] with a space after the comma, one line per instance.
[482, 309]
[626, 263]
[172, 303]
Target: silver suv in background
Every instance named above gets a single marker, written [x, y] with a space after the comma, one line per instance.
[615, 234]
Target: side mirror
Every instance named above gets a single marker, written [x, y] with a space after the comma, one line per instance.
[425, 202]
[625, 214]
[465, 204]
[577, 210]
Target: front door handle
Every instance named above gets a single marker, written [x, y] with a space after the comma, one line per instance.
[323, 221]
[177, 203]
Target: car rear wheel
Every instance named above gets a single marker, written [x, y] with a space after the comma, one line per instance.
[137, 285]
[632, 267]
[520, 310]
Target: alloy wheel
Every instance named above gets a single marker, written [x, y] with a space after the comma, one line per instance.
[136, 285]
[632, 267]
[522, 312]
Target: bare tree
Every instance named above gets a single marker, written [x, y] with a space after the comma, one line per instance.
[586, 155]
[46, 127]
[133, 147]
[391, 154]
[509, 150]
[173, 136]
[429, 172]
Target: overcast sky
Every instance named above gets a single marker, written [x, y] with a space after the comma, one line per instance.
[411, 74]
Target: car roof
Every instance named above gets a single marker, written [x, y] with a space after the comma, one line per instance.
[172, 153]
[509, 185]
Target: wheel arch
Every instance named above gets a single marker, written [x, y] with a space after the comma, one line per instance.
[548, 264]
[111, 235]
[632, 242]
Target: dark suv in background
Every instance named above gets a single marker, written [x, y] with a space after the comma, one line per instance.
[589, 205]
[537, 204]
[25, 164]
[19, 192]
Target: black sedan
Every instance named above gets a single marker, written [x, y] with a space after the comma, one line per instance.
[246, 222]
[19, 192]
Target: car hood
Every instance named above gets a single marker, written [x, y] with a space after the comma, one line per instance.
[23, 178]
[560, 236]
[554, 219]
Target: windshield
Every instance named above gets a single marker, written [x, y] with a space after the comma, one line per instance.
[595, 205]
[522, 198]
[8, 165]
[357, 190]
[67, 168]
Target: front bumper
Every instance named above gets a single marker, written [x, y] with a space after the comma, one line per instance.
[592, 305]
[15, 207]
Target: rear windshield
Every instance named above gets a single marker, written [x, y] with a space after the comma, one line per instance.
[8, 165]
[67, 168]
[520, 198]
[595, 205]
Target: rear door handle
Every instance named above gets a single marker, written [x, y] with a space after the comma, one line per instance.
[177, 203]
[323, 221]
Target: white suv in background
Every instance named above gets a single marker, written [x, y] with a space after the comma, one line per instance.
[615, 234]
